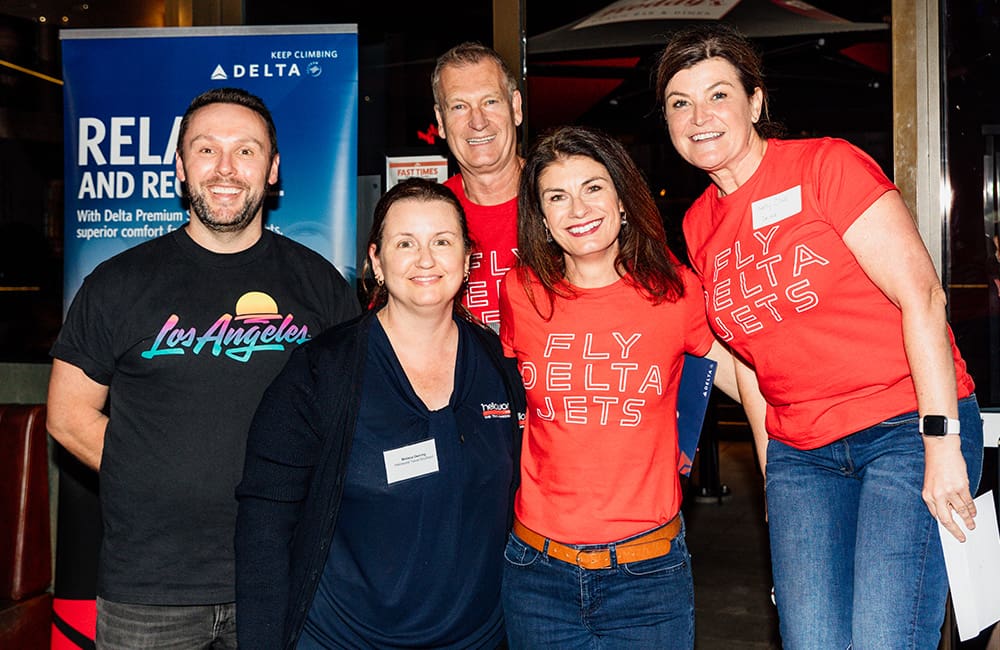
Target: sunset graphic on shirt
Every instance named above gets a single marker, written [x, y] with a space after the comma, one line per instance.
[252, 330]
[256, 307]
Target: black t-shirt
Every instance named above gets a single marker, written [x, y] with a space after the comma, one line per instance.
[187, 340]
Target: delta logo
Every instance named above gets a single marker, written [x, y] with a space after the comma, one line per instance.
[493, 410]
[262, 70]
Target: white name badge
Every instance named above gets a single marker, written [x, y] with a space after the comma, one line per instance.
[777, 207]
[411, 461]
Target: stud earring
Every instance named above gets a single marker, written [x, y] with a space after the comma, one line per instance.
[624, 218]
[548, 234]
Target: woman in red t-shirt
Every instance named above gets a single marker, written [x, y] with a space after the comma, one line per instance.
[599, 315]
[817, 277]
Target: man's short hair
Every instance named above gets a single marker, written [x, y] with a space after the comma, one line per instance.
[236, 96]
[469, 53]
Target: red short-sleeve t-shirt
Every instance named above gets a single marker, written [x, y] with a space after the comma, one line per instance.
[786, 293]
[599, 459]
[493, 229]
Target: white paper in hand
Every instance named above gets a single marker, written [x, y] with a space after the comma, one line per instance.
[974, 570]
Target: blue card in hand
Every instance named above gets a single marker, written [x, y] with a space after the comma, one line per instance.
[692, 403]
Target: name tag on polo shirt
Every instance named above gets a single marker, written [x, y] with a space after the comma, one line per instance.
[777, 207]
[411, 461]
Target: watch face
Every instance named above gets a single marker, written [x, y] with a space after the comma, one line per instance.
[935, 425]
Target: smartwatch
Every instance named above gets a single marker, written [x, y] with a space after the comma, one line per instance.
[939, 425]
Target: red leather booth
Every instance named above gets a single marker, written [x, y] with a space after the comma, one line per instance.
[25, 535]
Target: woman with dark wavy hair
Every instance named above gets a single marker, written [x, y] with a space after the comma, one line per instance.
[599, 315]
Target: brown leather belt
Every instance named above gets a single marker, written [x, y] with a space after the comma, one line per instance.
[650, 545]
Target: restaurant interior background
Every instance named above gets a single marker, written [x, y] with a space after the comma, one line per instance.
[835, 84]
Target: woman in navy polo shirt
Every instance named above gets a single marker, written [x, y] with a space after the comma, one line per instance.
[381, 463]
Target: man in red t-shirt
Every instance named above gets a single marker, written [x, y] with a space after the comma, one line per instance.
[478, 109]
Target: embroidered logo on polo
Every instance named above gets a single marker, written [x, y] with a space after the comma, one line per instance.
[256, 327]
[492, 410]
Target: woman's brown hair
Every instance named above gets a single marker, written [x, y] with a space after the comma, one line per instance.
[643, 257]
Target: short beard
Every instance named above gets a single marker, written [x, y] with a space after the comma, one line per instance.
[242, 219]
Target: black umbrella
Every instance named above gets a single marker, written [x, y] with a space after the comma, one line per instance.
[647, 23]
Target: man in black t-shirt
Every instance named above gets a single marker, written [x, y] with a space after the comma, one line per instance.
[159, 367]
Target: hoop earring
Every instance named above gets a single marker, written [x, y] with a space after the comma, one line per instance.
[380, 281]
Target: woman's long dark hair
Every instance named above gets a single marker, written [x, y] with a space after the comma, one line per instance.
[643, 257]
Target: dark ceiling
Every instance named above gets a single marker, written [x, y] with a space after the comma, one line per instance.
[91, 13]
[812, 82]
[541, 15]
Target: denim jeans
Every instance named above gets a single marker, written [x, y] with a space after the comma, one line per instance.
[549, 603]
[855, 554]
[123, 626]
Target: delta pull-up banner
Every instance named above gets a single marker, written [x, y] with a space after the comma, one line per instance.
[124, 94]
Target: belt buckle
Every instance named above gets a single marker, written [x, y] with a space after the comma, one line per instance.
[598, 562]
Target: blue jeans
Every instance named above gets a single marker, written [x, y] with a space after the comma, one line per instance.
[123, 626]
[855, 554]
[549, 603]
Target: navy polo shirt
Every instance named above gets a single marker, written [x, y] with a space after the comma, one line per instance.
[417, 554]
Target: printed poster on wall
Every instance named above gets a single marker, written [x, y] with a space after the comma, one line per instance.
[125, 91]
[397, 168]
